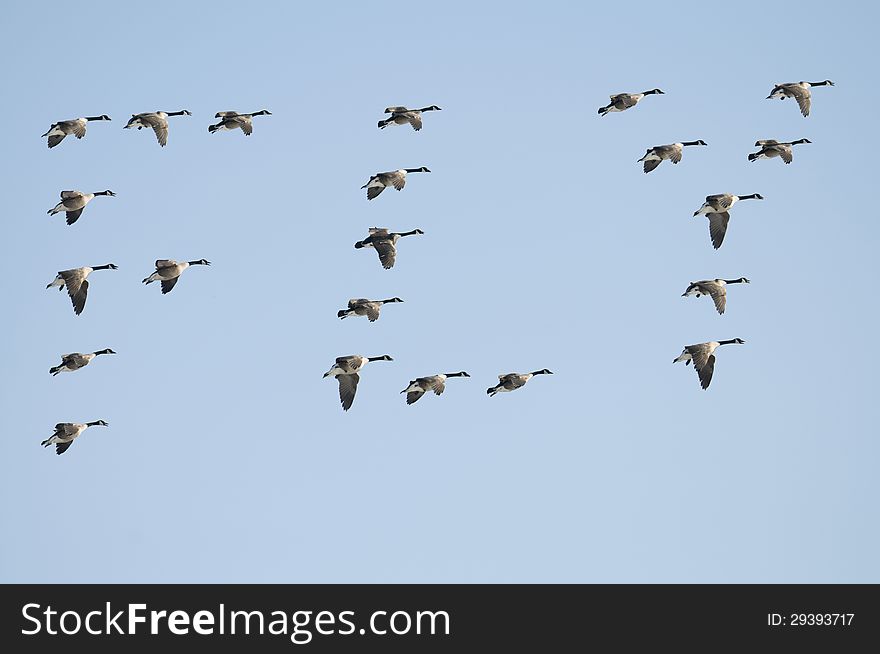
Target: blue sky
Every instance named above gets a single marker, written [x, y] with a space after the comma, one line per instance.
[228, 458]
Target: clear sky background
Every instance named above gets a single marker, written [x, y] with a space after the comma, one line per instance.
[228, 457]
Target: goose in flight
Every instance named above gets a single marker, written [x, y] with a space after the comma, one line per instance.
[75, 361]
[346, 370]
[385, 244]
[365, 307]
[624, 101]
[66, 432]
[715, 288]
[771, 148]
[168, 271]
[716, 208]
[514, 380]
[402, 116]
[76, 126]
[800, 91]
[395, 178]
[230, 120]
[703, 357]
[157, 121]
[421, 385]
[73, 203]
[77, 284]
[659, 153]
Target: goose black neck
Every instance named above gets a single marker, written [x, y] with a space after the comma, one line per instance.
[195, 263]
[539, 372]
[95, 118]
[104, 267]
[690, 143]
[431, 108]
[392, 299]
[822, 83]
[177, 113]
[410, 233]
[455, 374]
[733, 281]
[732, 340]
[413, 170]
[751, 196]
[102, 352]
[94, 423]
[382, 358]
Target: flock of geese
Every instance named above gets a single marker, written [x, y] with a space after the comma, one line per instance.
[347, 369]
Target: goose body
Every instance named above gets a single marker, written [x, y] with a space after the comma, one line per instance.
[230, 120]
[77, 284]
[385, 244]
[514, 380]
[396, 178]
[659, 153]
[421, 385]
[624, 101]
[67, 432]
[168, 271]
[75, 126]
[157, 121]
[75, 361]
[73, 202]
[346, 370]
[716, 208]
[402, 116]
[703, 357]
[365, 307]
[771, 148]
[800, 91]
[714, 288]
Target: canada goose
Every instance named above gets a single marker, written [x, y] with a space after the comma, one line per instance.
[402, 115]
[654, 156]
[800, 91]
[346, 372]
[66, 432]
[385, 243]
[158, 120]
[73, 203]
[623, 101]
[714, 288]
[77, 284]
[168, 271]
[395, 178]
[513, 380]
[75, 361]
[231, 120]
[771, 148]
[76, 126]
[716, 208]
[702, 354]
[421, 385]
[364, 307]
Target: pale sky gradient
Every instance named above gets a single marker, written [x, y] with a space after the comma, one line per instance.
[228, 457]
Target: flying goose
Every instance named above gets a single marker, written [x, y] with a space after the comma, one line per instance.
[702, 354]
[421, 385]
[168, 271]
[623, 101]
[73, 203]
[77, 284]
[232, 120]
[800, 91]
[402, 115]
[346, 372]
[76, 126]
[365, 307]
[716, 208]
[395, 178]
[66, 432]
[714, 288]
[75, 361]
[157, 120]
[771, 148]
[385, 243]
[655, 156]
[513, 380]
